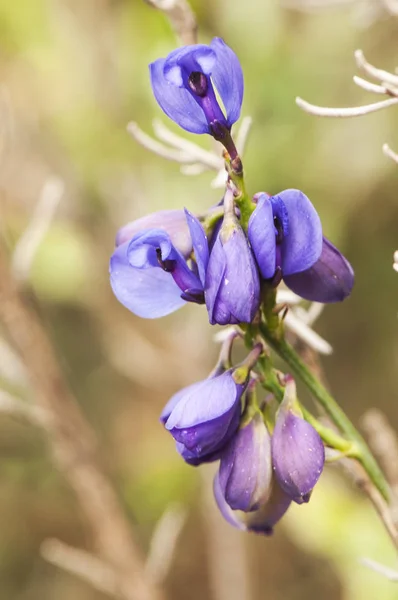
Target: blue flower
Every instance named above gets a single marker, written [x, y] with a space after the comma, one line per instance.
[150, 275]
[285, 233]
[184, 82]
[245, 467]
[203, 417]
[232, 288]
[298, 454]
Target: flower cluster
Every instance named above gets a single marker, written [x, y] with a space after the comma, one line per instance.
[231, 259]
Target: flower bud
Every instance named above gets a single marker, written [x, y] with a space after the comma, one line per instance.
[203, 417]
[261, 520]
[245, 467]
[232, 287]
[298, 454]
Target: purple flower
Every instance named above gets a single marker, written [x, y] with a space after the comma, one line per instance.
[202, 417]
[330, 279]
[298, 454]
[149, 274]
[183, 87]
[261, 520]
[285, 233]
[232, 286]
[245, 467]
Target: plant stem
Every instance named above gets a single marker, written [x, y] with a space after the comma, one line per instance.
[330, 437]
[336, 414]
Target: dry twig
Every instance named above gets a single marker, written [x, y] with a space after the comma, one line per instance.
[181, 18]
[72, 441]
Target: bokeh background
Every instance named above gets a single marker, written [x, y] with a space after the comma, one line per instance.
[72, 74]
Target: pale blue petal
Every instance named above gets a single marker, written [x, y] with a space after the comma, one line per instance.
[148, 293]
[172, 221]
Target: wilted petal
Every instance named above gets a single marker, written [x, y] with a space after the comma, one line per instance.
[207, 415]
[177, 102]
[261, 233]
[232, 290]
[228, 78]
[245, 467]
[330, 279]
[148, 293]
[172, 221]
[298, 454]
[302, 242]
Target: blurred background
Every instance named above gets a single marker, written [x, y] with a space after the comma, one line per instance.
[72, 74]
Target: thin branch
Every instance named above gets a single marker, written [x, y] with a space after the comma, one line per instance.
[369, 87]
[163, 543]
[395, 265]
[391, 574]
[243, 134]
[181, 18]
[39, 224]
[390, 153]
[195, 152]
[86, 566]
[156, 147]
[383, 441]
[379, 74]
[363, 482]
[71, 439]
[18, 408]
[356, 111]
[303, 330]
[391, 6]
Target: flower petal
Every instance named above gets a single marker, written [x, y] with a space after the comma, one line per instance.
[172, 221]
[229, 515]
[259, 521]
[298, 454]
[330, 279]
[245, 467]
[176, 102]
[302, 244]
[227, 76]
[148, 293]
[261, 233]
[232, 290]
[180, 63]
[204, 401]
[200, 244]
[207, 415]
[174, 400]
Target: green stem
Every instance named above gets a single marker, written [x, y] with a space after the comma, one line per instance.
[330, 437]
[246, 206]
[336, 414]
